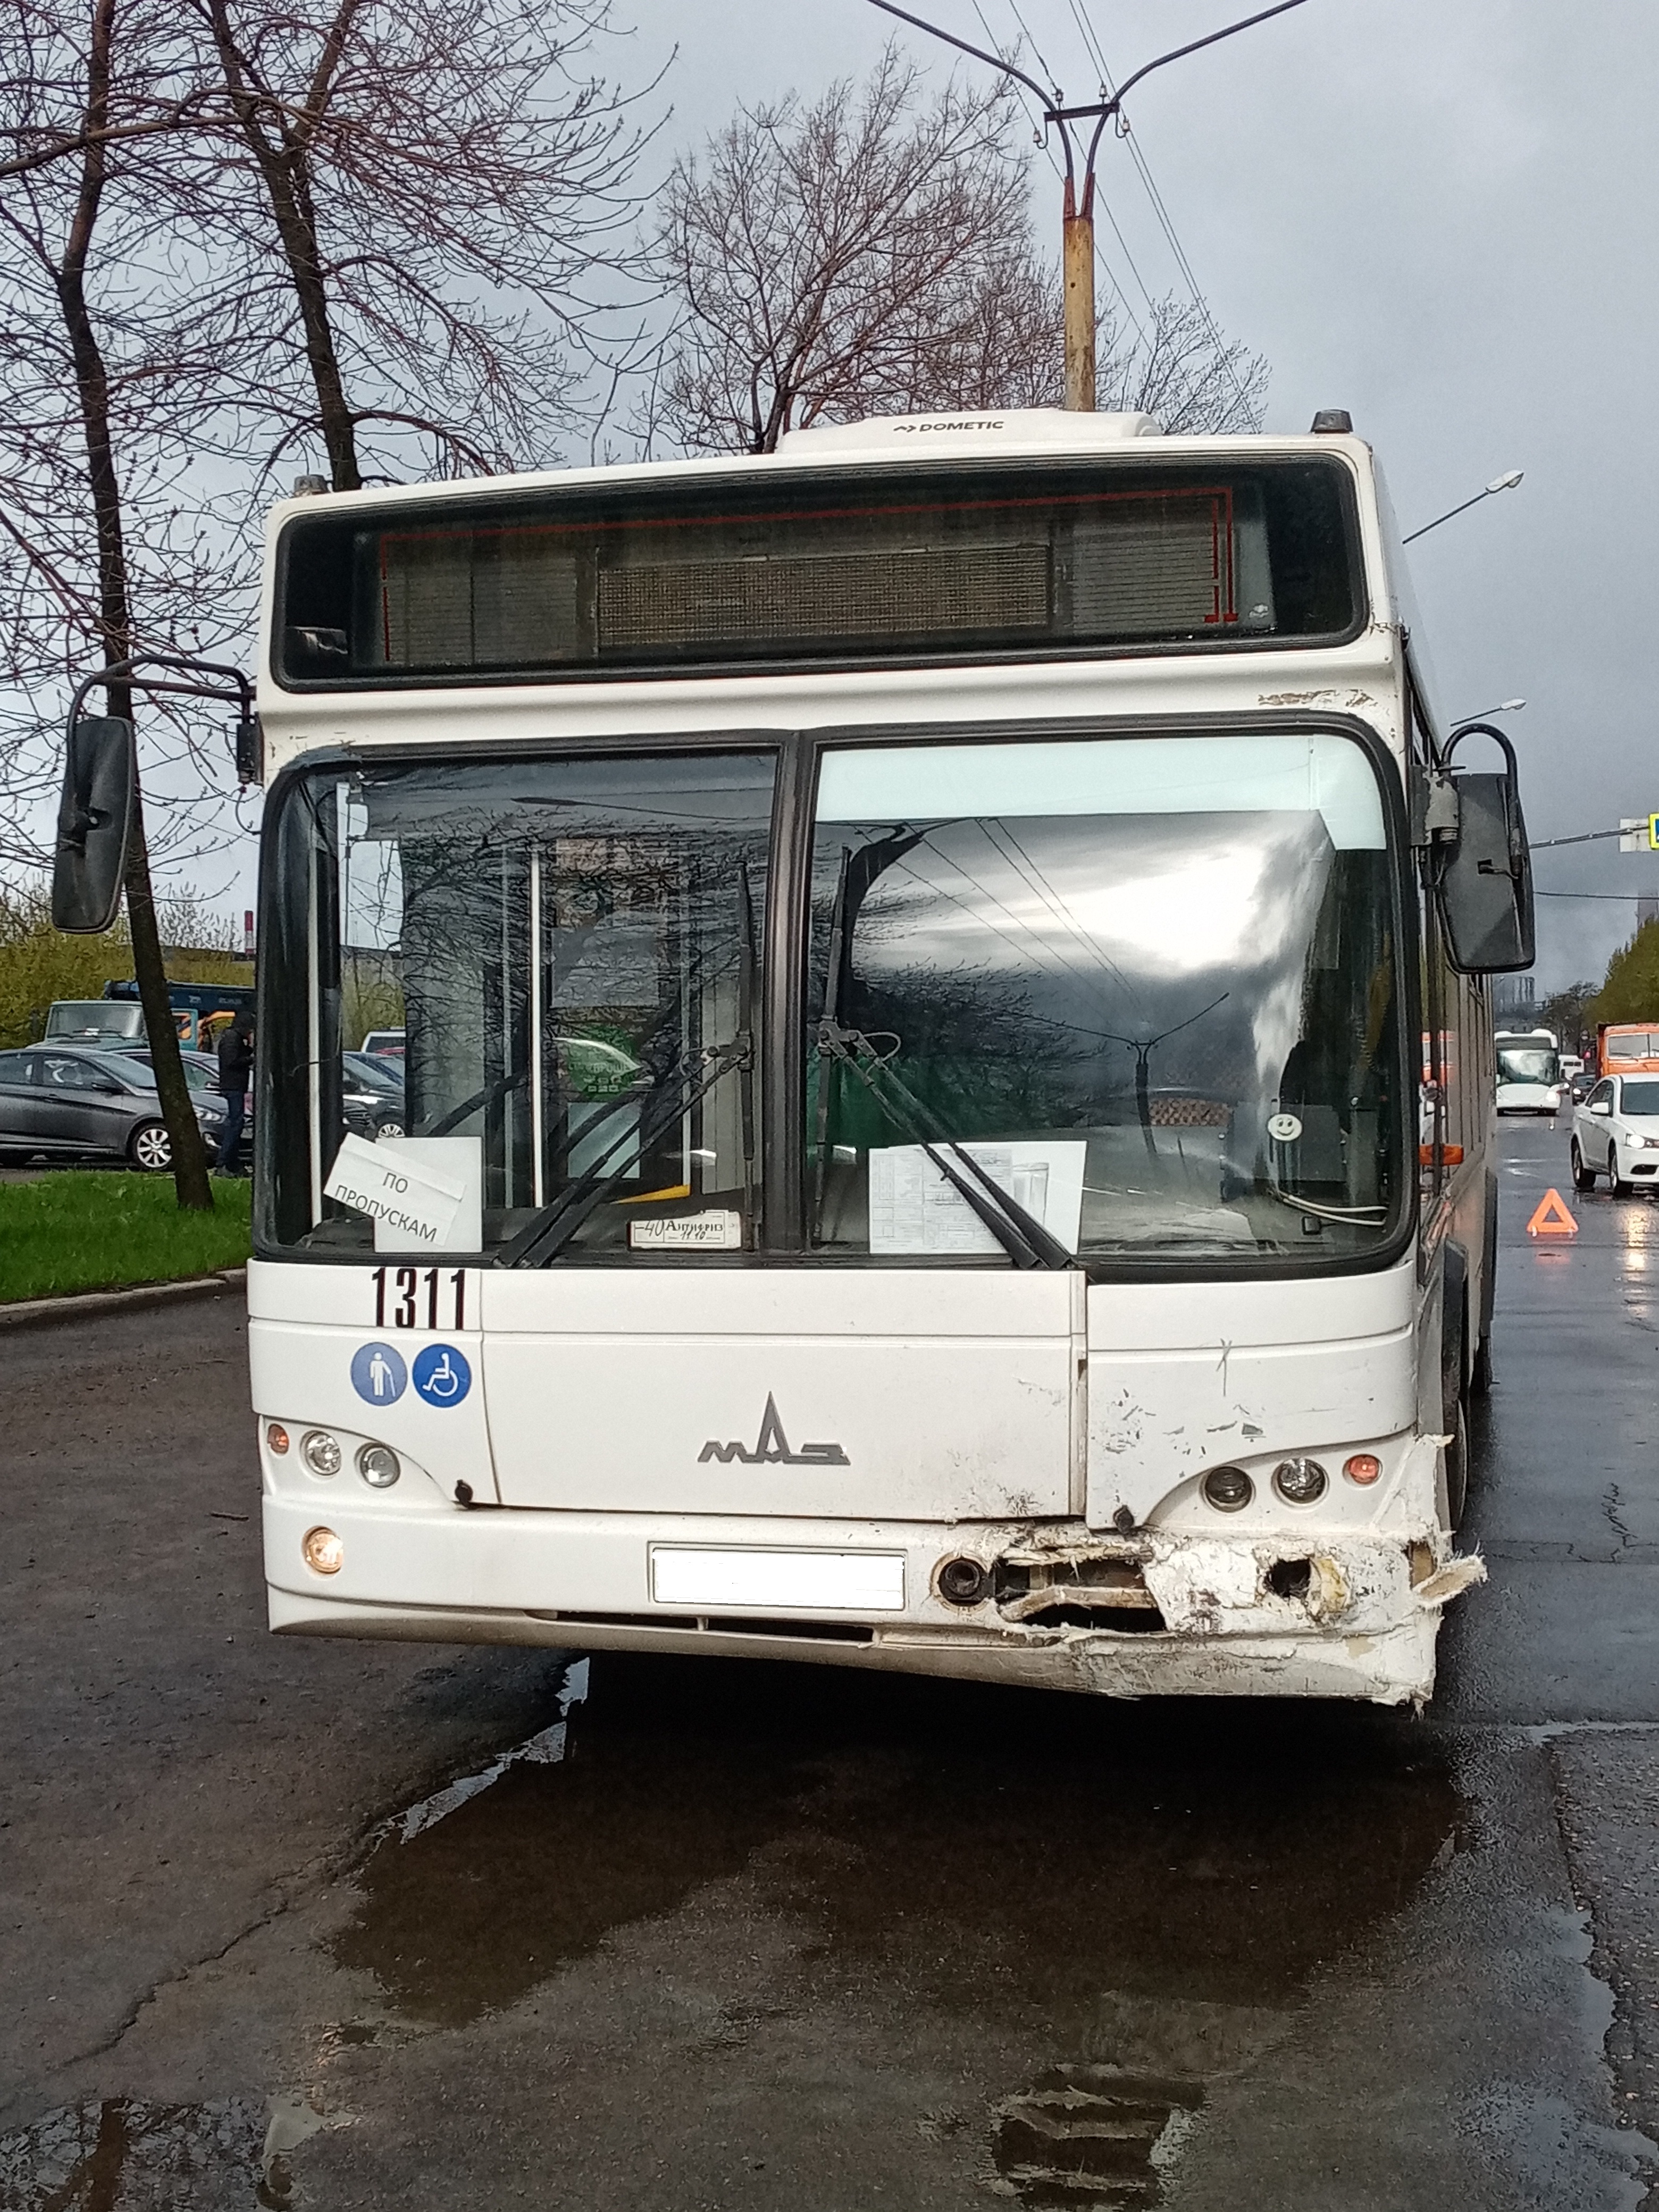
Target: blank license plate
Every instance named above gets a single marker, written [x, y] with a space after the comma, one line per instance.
[808, 1582]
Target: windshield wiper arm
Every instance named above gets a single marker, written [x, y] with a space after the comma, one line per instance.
[547, 1233]
[487, 1097]
[1020, 1234]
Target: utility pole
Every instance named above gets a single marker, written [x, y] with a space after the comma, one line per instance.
[1077, 270]
[1078, 218]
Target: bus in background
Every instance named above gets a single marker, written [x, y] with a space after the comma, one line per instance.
[1627, 1049]
[913, 951]
[1529, 1078]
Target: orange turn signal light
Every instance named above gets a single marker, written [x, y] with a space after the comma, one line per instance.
[277, 1437]
[1363, 1469]
[1452, 1155]
[323, 1552]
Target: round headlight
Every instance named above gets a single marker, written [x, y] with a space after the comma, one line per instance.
[320, 1452]
[1229, 1489]
[1300, 1481]
[378, 1465]
[323, 1552]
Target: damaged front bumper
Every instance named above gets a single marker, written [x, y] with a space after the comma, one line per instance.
[1150, 1612]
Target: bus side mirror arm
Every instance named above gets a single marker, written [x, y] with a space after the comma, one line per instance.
[1480, 862]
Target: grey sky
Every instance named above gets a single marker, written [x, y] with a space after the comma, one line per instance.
[1439, 217]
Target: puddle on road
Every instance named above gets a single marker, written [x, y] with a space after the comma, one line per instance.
[545, 1749]
[126, 2154]
[484, 1890]
[1145, 1889]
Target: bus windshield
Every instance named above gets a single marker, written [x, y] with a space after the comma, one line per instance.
[1535, 1064]
[573, 949]
[1147, 987]
[1149, 984]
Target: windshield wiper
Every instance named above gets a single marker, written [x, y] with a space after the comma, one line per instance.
[1023, 1238]
[1020, 1234]
[547, 1233]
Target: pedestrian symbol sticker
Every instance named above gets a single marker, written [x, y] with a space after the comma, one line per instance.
[1552, 1217]
[378, 1374]
[441, 1375]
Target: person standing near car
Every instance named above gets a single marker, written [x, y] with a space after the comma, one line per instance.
[235, 1070]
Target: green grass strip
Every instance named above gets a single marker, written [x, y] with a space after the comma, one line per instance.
[95, 1232]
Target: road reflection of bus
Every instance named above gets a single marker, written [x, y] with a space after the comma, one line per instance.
[1528, 1072]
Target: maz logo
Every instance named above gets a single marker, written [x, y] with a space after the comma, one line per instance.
[772, 1447]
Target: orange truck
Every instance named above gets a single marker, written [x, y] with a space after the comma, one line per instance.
[1627, 1049]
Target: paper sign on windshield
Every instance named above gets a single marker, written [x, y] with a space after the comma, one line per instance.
[913, 1209]
[418, 1199]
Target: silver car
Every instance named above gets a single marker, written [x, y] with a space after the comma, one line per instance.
[61, 1103]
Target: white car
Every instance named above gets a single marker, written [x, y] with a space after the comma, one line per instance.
[1615, 1133]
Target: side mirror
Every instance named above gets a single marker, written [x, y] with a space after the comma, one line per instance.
[1482, 865]
[95, 823]
[1601, 1106]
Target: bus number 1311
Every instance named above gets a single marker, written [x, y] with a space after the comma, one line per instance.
[400, 1288]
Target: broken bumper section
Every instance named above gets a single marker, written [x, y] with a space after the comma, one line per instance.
[1152, 1614]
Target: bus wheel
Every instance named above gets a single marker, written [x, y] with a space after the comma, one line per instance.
[1583, 1178]
[1455, 1400]
[1457, 1467]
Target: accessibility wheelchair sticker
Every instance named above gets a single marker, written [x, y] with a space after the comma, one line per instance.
[442, 1375]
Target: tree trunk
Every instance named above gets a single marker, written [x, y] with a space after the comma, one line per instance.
[189, 1172]
[190, 1164]
[284, 168]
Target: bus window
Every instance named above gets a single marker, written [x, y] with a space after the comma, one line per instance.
[1153, 979]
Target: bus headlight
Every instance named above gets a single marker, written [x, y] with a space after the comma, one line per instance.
[379, 1465]
[1229, 1489]
[1300, 1481]
[323, 1552]
[320, 1452]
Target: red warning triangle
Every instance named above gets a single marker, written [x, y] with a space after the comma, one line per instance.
[1552, 1219]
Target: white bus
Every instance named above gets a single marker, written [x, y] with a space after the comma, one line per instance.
[913, 951]
[1529, 1077]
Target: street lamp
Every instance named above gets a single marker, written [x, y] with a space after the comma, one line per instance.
[1503, 707]
[1507, 482]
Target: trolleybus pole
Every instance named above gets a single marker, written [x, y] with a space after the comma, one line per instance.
[1077, 217]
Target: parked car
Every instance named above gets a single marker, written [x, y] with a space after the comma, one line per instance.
[1615, 1133]
[372, 1094]
[201, 1075]
[383, 1043]
[64, 1103]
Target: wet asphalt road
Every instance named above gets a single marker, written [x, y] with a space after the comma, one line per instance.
[280, 1922]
